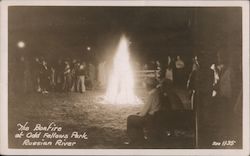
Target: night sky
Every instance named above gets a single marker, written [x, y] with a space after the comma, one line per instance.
[153, 32]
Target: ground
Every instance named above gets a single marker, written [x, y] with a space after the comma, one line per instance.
[104, 124]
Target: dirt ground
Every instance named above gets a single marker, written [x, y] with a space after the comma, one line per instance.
[104, 124]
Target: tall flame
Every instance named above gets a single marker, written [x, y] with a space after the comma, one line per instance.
[120, 89]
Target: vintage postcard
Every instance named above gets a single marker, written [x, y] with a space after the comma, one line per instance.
[124, 77]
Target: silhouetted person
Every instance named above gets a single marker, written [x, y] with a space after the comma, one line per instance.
[136, 123]
[81, 74]
[191, 79]
[44, 76]
[67, 77]
[24, 75]
[179, 72]
[203, 97]
[36, 77]
[52, 78]
[74, 67]
[59, 75]
[169, 70]
[91, 75]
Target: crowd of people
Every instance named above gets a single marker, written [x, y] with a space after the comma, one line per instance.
[208, 82]
[66, 75]
[215, 89]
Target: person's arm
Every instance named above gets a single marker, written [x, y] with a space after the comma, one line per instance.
[147, 105]
[145, 109]
[67, 70]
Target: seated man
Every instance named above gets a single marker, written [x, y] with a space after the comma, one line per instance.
[136, 123]
[162, 110]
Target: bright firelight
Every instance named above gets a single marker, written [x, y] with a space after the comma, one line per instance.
[120, 89]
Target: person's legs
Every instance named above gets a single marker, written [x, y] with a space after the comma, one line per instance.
[78, 82]
[72, 87]
[204, 120]
[64, 83]
[80, 85]
[68, 83]
[47, 84]
[91, 83]
[37, 84]
[135, 128]
[75, 84]
[42, 82]
[83, 88]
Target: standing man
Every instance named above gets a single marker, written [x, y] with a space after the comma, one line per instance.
[80, 77]
[74, 68]
[44, 75]
[36, 76]
[59, 75]
[91, 75]
[191, 80]
[203, 97]
[169, 70]
[67, 77]
[179, 71]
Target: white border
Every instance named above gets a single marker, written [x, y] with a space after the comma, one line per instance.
[4, 79]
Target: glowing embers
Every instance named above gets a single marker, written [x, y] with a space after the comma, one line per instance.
[120, 89]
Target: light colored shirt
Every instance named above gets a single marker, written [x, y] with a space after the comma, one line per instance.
[169, 74]
[152, 104]
[216, 75]
[179, 64]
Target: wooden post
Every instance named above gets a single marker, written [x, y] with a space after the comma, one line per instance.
[196, 119]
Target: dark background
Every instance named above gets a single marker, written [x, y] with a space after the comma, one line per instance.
[154, 32]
